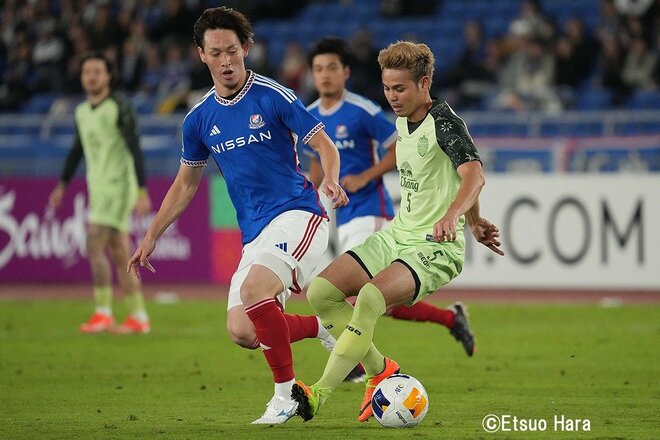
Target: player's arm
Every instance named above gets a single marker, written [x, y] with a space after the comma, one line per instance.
[128, 128]
[356, 182]
[176, 200]
[472, 180]
[329, 157]
[70, 165]
[315, 171]
[484, 231]
[455, 141]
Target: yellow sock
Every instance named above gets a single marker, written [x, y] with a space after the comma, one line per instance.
[103, 298]
[356, 339]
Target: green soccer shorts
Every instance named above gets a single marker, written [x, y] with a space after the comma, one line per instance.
[432, 264]
[112, 208]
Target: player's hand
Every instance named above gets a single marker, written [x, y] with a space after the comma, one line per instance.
[335, 193]
[487, 234]
[141, 257]
[55, 198]
[143, 204]
[353, 183]
[445, 228]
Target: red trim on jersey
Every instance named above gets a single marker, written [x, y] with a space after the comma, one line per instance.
[381, 194]
[379, 185]
[306, 180]
[303, 246]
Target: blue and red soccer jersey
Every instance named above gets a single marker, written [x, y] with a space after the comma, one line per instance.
[360, 130]
[252, 137]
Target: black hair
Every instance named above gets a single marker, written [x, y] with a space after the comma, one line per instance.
[223, 18]
[332, 45]
[109, 65]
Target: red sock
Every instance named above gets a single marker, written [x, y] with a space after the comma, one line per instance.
[301, 327]
[273, 335]
[424, 312]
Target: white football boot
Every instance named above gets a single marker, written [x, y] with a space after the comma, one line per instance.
[278, 410]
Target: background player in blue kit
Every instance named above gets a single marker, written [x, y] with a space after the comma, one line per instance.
[360, 130]
[249, 124]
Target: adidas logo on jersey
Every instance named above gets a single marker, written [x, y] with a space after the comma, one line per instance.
[215, 130]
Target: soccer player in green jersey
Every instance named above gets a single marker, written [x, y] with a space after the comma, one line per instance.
[423, 247]
[106, 134]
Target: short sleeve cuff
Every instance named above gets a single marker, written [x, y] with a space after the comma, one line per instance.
[318, 127]
[193, 163]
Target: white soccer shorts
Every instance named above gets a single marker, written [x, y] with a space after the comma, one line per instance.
[291, 246]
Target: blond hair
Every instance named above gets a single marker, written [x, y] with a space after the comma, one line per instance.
[405, 55]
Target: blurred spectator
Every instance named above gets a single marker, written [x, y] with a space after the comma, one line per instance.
[125, 30]
[257, 59]
[639, 67]
[79, 46]
[608, 68]
[531, 22]
[132, 64]
[48, 57]
[294, 68]
[151, 12]
[583, 48]
[15, 87]
[175, 83]
[407, 8]
[365, 72]
[471, 78]
[200, 80]
[527, 80]
[176, 22]
[635, 8]
[103, 30]
[153, 70]
[566, 69]
[609, 22]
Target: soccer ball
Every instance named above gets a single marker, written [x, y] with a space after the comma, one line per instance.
[400, 401]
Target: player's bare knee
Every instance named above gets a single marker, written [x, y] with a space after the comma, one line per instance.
[242, 336]
[251, 292]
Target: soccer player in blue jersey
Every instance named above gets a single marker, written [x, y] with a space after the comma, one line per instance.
[249, 124]
[359, 129]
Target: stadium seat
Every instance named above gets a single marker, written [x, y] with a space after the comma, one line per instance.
[593, 99]
[644, 99]
[38, 104]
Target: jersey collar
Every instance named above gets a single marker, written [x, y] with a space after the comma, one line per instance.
[240, 95]
[332, 110]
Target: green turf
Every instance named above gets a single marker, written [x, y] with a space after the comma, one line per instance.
[187, 381]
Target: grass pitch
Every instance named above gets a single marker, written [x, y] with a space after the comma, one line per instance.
[186, 380]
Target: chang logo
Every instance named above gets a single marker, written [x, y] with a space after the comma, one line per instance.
[406, 170]
[241, 141]
[407, 181]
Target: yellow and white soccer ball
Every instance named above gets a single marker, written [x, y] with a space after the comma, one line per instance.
[400, 401]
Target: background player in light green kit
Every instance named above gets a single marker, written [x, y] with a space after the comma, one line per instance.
[422, 249]
[106, 133]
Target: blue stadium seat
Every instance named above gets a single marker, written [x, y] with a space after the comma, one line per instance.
[38, 104]
[593, 99]
[645, 99]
